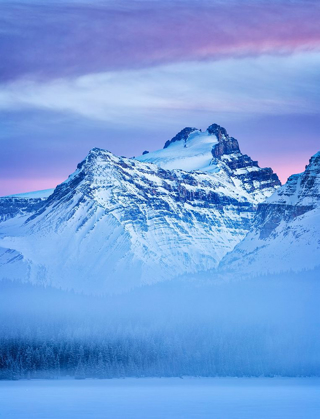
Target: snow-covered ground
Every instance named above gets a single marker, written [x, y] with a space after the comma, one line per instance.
[165, 398]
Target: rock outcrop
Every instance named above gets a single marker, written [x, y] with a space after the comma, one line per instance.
[285, 233]
[181, 136]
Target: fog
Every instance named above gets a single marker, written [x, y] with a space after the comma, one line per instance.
[265, 326]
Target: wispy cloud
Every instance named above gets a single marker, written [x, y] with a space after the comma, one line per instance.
[264, 85]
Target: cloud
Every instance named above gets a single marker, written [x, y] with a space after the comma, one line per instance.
[251, 86]
[72, 38]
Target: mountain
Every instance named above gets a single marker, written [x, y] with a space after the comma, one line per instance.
[285, 235]
[117, 223]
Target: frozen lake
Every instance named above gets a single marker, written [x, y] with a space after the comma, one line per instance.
[165, 398]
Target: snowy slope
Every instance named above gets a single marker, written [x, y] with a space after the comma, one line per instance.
[286, 233]
[192, 151]
[116, 223]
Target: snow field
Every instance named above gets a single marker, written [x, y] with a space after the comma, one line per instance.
[162, 398]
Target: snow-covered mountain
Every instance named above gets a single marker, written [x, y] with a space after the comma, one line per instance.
[286, 230]
[116, 223]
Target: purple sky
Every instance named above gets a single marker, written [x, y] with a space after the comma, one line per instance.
[128, 75]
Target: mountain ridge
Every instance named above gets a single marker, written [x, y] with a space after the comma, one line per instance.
[114, 214]
[118, 223]
[286, 231]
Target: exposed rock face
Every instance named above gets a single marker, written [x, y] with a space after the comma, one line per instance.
[182, 135]
[12, 206]
[286, 231]
[241, 165]
[304, 188]
[218, 131]
[298, 196]
[226, 144]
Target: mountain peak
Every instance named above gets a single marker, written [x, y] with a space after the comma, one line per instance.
[218, 131]
[226, 144]
[94, 154]
[182, 135]
[314, 161]
[214, 129]
[302, 189]
[96, 150]
[214, 151]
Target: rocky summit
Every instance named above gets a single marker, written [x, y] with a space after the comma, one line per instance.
[215, 151]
